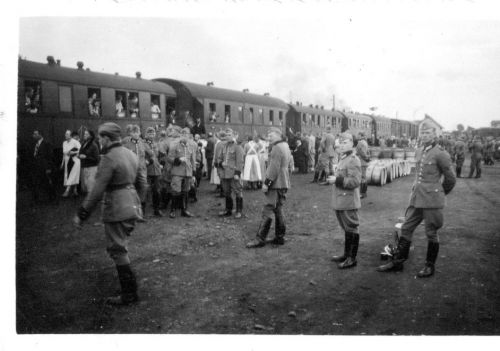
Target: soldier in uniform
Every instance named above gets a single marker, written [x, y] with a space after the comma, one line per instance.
[275, 187]
[476, 157]
[459, 153]
[346, 200]
[181, 157]
[172, 135]
[117, 173]
[153, 169]
[229, 162]
[364, 157]
[426, 202]
[134, 143]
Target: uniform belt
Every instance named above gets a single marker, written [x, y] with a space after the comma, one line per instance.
[113, 187]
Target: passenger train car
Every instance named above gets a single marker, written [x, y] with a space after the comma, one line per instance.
[53, 99]
[218, 108]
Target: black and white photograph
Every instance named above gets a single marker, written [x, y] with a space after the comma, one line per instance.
[250, 171]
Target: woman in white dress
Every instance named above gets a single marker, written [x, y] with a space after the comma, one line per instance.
[71, 163]
[252, 170]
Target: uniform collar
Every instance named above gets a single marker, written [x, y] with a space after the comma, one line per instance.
[344, 155]
[430, 146]
[112, 145]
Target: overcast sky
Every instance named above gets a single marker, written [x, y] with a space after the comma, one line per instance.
[447, 68]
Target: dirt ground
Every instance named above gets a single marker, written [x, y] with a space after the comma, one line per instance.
[196, 276]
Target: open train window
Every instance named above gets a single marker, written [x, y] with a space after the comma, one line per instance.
[304, 118]
[280, 117]
[65, 99]
[120, 103]
[133, 105]
[227, 113]
[271, 117]
[212, 112]
[251, 115]
[94, 102]
[33, 96]
[155, 106]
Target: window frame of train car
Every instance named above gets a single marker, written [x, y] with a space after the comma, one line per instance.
[22, 101]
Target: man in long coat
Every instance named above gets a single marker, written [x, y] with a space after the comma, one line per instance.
[117, 173]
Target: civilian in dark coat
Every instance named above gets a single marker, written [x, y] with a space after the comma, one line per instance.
[300, 156]
[89, 158]
[209, 153]
[41, 178]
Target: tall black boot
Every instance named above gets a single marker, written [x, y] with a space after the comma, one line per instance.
[316, 177]
[229, 207]
[350, 261]
[239, 207]
[174, 206]
[430, 261]
[128, 285]
[156, 203]
[260, 240]
[279, 227]
[363, 187]
[459, 171]
[347, 246]
[401, 255]
[183, 203]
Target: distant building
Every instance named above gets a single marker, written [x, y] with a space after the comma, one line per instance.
[433, 122]
[495, 124]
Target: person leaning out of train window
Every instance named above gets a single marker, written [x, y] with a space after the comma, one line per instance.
[89, 158]
[133, 107]
[346, 200]
[94, 106]
[155, 110]
[119, 111]
[198, 128]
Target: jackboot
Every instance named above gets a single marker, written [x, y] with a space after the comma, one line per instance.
[229, 208]
[239, 207]
[430, 261]
[260, 240]
[279, 228]
[363, 187]
[352, 253]
[183, 203]
[128, 285]
[316, 177]
[174, 206]
[322, 177]
[347, 247]
[459, 171]
[401, 255]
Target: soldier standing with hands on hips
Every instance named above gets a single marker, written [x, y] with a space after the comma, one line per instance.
[117, 173]
[275, 187]
[346, 200]
[426, 202]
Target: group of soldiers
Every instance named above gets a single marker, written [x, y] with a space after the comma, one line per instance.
[127, 166]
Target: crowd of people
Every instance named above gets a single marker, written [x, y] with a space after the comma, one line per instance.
[170, 164]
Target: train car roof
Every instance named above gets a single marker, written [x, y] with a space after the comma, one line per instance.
[37, 70]
[211, 92]
[314, 110]
[380, 118]
[357, 115]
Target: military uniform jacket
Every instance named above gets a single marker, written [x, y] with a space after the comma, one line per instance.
[329, 145]
[362, 152]
[433, 163]
[346, 189]
[163, 149]
[117, 172]
[177, 150]
[153, 163]
[459, 149]
[477, 150]
[280, 166]
[230, 159]
[138, 148]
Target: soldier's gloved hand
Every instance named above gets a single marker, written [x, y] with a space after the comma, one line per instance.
[182, 159]
[193, 179]
[236, 177]
[264, 188]
[77, 222]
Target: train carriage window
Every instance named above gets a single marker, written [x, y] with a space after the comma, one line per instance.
[261, 116]
[227, 113]
[32, 96]
[250, 110]
[240, 114]
[133, 105]
[155, 106]
[65, 100]
[280, 117]
[94, 102]
[304, 118]
[120, 103]
[212, 112]
[271, 117]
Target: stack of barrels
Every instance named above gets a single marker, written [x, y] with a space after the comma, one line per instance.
[388, 164]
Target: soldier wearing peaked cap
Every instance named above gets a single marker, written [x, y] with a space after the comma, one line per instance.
[153, 169]
[117, 173]
[346, 200]
[426, 202]
[275, 187]
[230, 162]
[364, 157]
